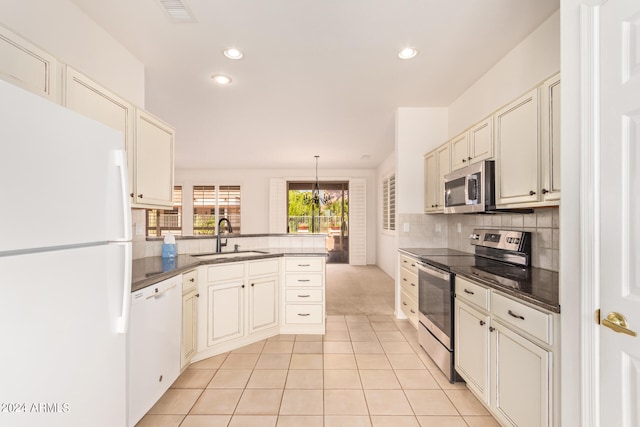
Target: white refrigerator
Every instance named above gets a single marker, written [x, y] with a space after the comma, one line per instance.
[65, 266]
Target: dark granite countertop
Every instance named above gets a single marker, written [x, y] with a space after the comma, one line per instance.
[538, 286]
[147, 271]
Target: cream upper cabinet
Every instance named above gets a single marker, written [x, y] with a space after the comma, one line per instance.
[153, 157]
[27, 66]
[473, 145]
[517, 154]
[550, 138]
[430, 177]
[481, 141]
[88, 98]
[459, 151]
[437, 164]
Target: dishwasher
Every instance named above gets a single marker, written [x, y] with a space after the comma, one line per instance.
[154, 344]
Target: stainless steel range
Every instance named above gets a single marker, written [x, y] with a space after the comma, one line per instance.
[502, 257]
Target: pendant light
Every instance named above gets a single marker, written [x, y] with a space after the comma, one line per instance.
[314, 198]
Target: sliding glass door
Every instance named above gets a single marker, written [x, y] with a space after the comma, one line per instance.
[329, 216]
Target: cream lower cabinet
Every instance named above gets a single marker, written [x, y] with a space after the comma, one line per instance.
[190, 297]
[505, 351]
[303, 305]
[409, 288]
[241, 304]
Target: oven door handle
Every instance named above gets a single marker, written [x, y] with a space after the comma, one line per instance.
[433, 271]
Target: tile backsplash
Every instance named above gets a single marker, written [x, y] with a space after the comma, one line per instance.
[453, 231]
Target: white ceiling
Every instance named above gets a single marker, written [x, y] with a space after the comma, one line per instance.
[318, 76]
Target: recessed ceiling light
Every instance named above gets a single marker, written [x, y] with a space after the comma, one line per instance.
[232, 53]
[408, 53]
[221, 79]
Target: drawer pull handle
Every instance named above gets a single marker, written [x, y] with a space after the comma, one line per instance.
[303, 314]
[304, 280]
[404, 303]
[404, 280]
[412, 311]
[413, 284]
[304, 296]
[517, 316]
[413, 265]
[466, 291]
[304, 265]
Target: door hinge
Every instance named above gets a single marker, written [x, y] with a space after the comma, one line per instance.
[596, 316]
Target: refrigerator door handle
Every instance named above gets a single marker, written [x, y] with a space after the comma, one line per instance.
[122, 324]
[121, 163]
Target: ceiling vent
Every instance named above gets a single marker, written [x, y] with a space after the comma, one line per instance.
[177, 11]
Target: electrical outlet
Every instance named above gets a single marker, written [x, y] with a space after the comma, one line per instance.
[459, 228]
[405, 227]
[438, 228]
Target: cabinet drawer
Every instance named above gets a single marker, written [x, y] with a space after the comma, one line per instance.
[409, 307]
[529, 319]
[304, 295]
[472, 292]
[234, 270]
[304, 264]
[409, 283]
[408, 263]
[268, 266]
[308, 314]
[189, 280]
[303, 280]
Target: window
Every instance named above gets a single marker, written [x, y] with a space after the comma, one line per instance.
[204, 209]
[160, 222]
[389, 203]
[210, 203]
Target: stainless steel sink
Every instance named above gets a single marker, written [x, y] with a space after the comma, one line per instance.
[240, 254]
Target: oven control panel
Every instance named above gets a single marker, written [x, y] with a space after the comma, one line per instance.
[502, 239]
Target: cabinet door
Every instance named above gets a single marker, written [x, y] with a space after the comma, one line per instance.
[472, 348]
[459, 151]
[430, 177]
[550, 138]
[263, 303]
[189, 326]
[225, 312]
[521, 380]
[517, 157]
[444, 167]
[154, 162]
[481, 141]
[27, 66]
[88, 98]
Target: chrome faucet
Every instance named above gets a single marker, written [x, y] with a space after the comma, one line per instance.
[219, 244]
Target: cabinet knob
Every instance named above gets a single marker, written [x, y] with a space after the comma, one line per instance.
[491, 329]
[130, 194]
[197, 295]
[253, 284]
[140, 196]
[545, 191]
[531, 193]
[242, 286]
[469, 158]
[464, 160]
[192, 280]
[482, 323]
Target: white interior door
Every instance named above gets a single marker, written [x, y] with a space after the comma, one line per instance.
[619, 281]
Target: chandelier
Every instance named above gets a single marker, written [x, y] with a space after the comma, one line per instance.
[314, 198]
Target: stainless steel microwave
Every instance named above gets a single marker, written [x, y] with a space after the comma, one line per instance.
[470, 189]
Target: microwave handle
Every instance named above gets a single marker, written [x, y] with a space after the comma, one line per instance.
[472, 188]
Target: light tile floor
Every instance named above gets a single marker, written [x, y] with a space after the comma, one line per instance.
[368, 370]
